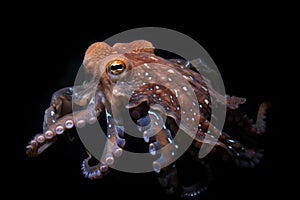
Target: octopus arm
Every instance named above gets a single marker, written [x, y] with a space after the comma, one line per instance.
[95, 171]
[250, 155]
[60, 116]
[82, 94]
[260, 125]
[61, 104]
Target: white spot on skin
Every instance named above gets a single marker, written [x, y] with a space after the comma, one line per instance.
[146, 74]
[146, 65]
[184, 88]
[171, 71]
[231, 141]
[187, 78]
[176, 93]
[187, 64]
[206, 101]
[169, 79]
[204, 88]
[157, 87]
[153, 58]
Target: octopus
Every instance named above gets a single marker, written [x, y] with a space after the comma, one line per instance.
[160, 109]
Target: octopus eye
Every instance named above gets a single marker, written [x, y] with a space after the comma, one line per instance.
[116, 67]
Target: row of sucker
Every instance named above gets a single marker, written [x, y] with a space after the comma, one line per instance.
[114, 143]
[160, 138]
[193, 191]
[93, 172]
[41, 141]
[243, 156]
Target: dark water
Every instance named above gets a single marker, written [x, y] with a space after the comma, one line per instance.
[56, 173]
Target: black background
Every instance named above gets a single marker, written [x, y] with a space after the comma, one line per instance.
[51, 49]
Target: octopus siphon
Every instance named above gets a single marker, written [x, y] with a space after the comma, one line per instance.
[160, 108]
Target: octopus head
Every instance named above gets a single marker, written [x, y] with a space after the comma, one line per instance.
[109, 64]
